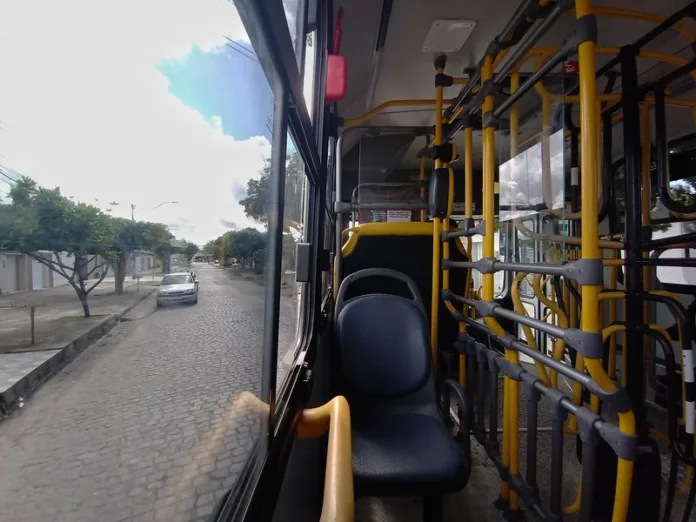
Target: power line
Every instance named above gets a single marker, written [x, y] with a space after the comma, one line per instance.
[231, 44]
[15, 177]
[8, 179]
[236, 45]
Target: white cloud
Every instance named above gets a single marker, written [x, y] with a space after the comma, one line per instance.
[85, 108]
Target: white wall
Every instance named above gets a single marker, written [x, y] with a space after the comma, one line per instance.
[66, 259]
[8, 273]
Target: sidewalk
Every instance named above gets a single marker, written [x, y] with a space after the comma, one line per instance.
[59, 314]
[61, 331]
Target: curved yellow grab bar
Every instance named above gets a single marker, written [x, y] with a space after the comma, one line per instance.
[528, 334]
[348, 122]
[334, 416]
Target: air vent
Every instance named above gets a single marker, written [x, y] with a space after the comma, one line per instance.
[448, 36]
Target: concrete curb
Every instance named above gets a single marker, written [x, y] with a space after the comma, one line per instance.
[27, 385]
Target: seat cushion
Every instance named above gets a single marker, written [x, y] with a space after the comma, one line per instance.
[405, 454]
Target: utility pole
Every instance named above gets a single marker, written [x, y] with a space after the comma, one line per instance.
[133, 253]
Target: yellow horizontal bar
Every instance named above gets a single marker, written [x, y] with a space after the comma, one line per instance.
[616, 12]
[603, 296]
[334, 416]
[612, 262]
[348, 122]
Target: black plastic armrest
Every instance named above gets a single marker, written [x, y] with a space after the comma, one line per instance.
[464, 411]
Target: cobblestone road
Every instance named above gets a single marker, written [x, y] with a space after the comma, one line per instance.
[149, 424]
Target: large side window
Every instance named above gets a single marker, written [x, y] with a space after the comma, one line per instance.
[155, 152]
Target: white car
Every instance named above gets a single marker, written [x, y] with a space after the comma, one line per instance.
[177, 288]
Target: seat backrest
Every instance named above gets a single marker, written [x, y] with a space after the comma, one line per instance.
[383, 346]
[407, 248]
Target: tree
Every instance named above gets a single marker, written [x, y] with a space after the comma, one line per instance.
[75, 240]
[163, 246]
[190, 250]
[245, 245]
[210, 247]
[132, 236]
[257, 203]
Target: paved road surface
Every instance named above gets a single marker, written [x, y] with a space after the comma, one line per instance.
[149, 423]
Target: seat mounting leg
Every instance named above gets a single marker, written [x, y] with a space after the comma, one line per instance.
[432, 508]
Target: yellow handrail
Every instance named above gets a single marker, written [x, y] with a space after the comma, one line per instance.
[358, 120]
[528, 333]
[334, 416]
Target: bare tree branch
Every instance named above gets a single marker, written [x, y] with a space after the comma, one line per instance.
[96, 267]
[43, 260]
[95, 284]
[52, 265]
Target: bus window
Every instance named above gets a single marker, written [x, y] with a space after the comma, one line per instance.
[174, 116]
[294, 232]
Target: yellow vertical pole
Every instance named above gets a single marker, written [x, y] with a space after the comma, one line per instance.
[613, 277]
[589, 318]
[510, 454]
[437, 228]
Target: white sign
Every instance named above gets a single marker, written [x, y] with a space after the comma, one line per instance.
[379, 216]
[398, 215]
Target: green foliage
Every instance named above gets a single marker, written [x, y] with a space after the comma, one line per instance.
[245, 246]
[190, 250]
[258, 206]
[44, 219]
[257, 203]
[210, 247]
[41, 219]
[132, 236]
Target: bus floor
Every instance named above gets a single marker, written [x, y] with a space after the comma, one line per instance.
[475, 501]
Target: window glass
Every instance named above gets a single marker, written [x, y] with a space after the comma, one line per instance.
[294, 19]
[675, 274]
[531, 312]
[525, 253]
[310, 59]
[294, 232]
[156, 127]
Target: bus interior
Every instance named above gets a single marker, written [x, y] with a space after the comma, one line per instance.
[502, 244]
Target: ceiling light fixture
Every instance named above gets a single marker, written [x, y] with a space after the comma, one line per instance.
[447, 36]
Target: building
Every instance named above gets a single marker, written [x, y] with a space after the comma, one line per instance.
[20, 272]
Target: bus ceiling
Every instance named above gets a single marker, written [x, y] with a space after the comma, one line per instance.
[383, 44]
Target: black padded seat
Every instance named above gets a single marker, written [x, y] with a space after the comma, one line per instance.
[405, 454]
[412, 254]
[401, 446]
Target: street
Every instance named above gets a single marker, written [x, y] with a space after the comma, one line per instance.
[150, 423]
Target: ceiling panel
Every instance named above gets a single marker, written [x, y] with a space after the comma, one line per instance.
[406, 72]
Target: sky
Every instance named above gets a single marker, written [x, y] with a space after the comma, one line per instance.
[136, 102]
